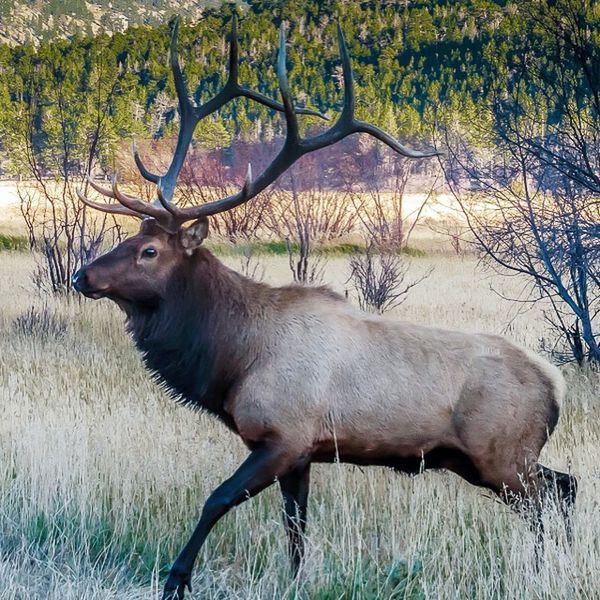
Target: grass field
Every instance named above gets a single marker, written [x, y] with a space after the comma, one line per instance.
[102, 477]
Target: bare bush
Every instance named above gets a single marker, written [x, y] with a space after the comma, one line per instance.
[378, 197]
[52, 141]
[305, 265]
[60, 228]
[250, 264]
[297, 223]
[306, 211]
[41, 324]
[531, 197]
[454, 229]
[379, 279]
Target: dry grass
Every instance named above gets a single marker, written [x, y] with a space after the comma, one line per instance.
[102, 477]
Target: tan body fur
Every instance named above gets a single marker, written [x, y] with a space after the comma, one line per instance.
[332, 381]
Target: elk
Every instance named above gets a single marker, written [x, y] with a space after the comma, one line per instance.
[298, 373]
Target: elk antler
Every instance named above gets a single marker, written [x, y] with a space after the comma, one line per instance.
[171, 217]
[190, 116]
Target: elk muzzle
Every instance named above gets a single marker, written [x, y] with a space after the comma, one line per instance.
[81, 283]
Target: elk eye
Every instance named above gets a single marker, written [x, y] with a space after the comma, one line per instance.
[149, 252]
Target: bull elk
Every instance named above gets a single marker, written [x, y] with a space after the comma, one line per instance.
[297, 372]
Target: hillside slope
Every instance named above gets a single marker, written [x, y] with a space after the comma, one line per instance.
[34, 21]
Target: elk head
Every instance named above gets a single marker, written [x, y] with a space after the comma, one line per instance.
[139, 269]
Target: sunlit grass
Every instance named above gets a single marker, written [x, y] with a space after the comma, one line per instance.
[102, 477]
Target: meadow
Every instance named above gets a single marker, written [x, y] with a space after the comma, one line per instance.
[102, 476]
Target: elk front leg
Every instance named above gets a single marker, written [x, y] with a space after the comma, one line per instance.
[255, 474]
[294, 489]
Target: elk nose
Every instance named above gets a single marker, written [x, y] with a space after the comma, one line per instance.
[78, 279]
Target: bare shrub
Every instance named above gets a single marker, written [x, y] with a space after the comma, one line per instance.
[297, 224]
[306, 211]
[250, 264]
[528, 179]
[455, 229]
[41, 324]
[305, 265]
[379, 279]
[53, 137]
[61, 230]
[378, 197]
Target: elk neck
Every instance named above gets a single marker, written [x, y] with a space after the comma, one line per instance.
[201, 338]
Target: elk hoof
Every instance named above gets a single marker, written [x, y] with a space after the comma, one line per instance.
[176, 584]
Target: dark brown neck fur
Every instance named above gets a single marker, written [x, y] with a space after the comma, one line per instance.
[197, 340]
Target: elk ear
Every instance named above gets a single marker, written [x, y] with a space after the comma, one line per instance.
[194, 235]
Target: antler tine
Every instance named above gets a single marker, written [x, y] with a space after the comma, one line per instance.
[135, 204]
[233, 52]
[146, 174]
[349, 96]
[164, 201]
[98, 188]
[188, 119]
[248, 180]
[258, 97]
[115, 209]
[292, 134]
[393, 143]
[185, 104]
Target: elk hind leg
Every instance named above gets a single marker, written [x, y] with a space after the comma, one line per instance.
[561, 488]
[520, 489]
[294, 489]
